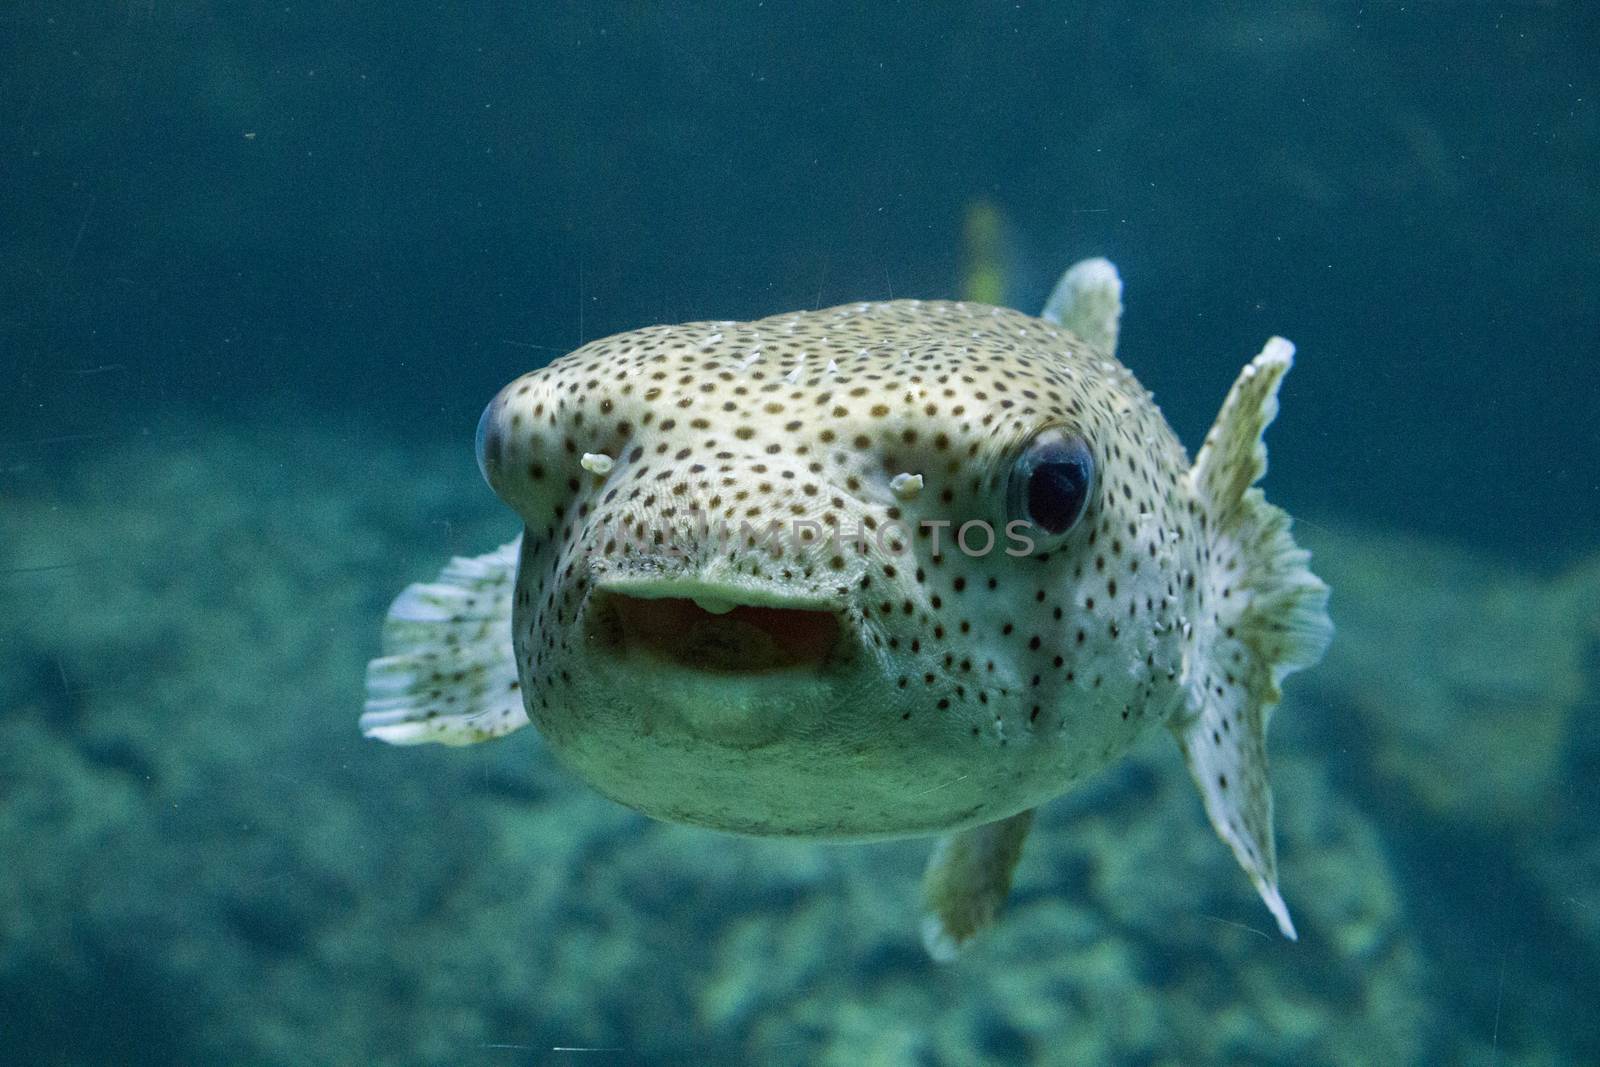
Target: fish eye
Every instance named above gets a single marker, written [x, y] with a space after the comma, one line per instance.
[1051, 481]
[481, 440]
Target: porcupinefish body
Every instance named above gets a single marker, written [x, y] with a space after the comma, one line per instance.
[879, 570]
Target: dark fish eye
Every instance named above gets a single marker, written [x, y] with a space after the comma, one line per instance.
[1051, 481]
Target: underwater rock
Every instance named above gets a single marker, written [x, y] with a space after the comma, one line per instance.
[204, 861]
[1464, 674]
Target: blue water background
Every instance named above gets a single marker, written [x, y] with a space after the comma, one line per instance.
[368, 217]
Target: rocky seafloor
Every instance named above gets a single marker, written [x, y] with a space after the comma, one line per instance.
[202, 862]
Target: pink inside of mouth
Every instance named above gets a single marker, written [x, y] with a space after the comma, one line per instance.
[746, 639]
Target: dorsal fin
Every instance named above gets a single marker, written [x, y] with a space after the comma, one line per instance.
[1088, 301]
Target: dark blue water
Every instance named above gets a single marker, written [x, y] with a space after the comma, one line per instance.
[261, 267]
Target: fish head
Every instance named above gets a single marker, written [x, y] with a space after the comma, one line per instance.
[871, 571]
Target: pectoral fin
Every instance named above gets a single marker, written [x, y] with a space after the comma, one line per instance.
[1268, 616]
[448, 673]
[968, 877]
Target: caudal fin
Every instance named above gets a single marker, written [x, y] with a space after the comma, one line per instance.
[1263, 616]
[448, 673]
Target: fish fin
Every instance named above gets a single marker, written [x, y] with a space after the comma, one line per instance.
[448, 673]
[968, 877]
[1267, 616]
[1088, 301]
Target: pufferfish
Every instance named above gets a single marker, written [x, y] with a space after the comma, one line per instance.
[881, 570]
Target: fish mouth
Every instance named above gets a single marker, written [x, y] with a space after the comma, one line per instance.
[715, 630]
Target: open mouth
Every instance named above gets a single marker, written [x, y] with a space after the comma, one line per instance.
[707, 633]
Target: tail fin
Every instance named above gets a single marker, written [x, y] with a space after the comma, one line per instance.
[448, 673]
[1265, 615]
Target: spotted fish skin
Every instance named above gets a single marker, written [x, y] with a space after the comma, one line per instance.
[864, 673]
[970, 687]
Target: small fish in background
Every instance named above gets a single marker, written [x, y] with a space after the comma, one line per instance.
[880, 570]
